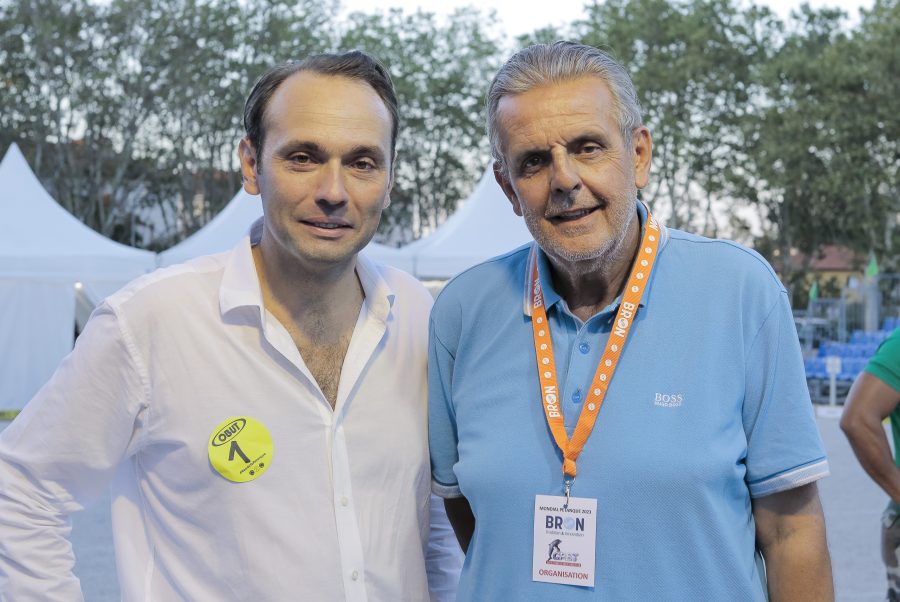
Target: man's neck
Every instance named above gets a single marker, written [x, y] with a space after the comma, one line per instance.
[322, 304]
[589, 286]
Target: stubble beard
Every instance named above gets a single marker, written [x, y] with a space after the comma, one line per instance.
[596, 259]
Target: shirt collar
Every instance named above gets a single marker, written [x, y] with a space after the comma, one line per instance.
[240, 283]
[551, 297]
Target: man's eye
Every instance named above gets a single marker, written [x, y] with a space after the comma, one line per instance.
[301, 158]
[364, 164]
[532, 162]
[589, 149]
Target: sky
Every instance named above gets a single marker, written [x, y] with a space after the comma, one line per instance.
[518, 20]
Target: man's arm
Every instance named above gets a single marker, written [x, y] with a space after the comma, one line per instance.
[870, 401]
[461, 518]
[790, 533]
[58, 455]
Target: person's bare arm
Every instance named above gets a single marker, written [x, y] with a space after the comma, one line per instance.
[870, 401]
[461, 519]
[790, 533]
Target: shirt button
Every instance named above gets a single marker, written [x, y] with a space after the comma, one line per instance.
[576, 396]
[584, 348]
[344, 501]
[354, 575]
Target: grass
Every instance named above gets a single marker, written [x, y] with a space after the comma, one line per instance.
[8, 414]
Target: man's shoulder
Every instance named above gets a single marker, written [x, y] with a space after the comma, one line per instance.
[494, 279]
[720, 257]
[171, 285]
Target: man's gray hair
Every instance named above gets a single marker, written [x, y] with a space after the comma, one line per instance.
[544, 64]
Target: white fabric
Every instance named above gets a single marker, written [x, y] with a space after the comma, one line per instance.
[341, 512]
[483, 227]
[46, 250]
[230, 225]
[38, 236]
[30, 349]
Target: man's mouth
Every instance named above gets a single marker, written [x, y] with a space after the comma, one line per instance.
[325, 225]
[570, 216]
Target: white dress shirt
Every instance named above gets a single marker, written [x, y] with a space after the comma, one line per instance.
[340, 513]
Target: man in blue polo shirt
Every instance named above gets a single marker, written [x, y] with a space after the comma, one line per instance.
[619, 411]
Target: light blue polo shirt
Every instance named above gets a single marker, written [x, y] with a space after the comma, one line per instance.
[707, 408]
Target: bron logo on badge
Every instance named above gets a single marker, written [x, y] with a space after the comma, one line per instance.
[240, 449]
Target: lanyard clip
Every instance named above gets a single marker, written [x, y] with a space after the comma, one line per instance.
[568, 484]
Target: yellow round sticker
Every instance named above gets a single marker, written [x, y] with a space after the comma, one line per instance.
[240, 449]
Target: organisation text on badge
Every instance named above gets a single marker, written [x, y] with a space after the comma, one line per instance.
[565, 538]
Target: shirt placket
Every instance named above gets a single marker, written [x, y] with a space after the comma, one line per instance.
[349, 542]
[580, 345]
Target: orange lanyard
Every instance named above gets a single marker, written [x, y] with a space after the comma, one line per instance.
[543, 347]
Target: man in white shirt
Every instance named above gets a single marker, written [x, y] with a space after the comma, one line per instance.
[260, 413]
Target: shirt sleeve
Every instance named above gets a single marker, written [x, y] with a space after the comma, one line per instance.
[443, 558]
[442, 438]
[59, 455]
[886, 363]
[784, 449]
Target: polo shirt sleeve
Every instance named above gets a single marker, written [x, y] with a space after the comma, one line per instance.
[442, 434]
[784, 449]
[59, 455]
[886, 363]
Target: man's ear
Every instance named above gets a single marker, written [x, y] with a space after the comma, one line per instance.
[642, 147]
[507, 188]
[387, 196]
[249, 165]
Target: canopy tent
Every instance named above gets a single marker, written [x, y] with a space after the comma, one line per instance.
[232, 223]
[46, 254]
[485, 226]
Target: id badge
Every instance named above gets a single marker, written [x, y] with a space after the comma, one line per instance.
[565, 539]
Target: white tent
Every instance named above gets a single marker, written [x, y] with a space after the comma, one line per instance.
[232, 223]
[45, 253]
[484, 227]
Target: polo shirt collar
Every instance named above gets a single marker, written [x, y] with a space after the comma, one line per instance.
[551, 297]
[240, 283]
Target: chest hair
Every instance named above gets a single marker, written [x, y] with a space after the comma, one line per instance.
[324, 356]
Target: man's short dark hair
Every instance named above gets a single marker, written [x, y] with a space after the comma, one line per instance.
[355, 64]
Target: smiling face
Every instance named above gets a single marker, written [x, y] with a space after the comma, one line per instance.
[569, 172]
[325, 170]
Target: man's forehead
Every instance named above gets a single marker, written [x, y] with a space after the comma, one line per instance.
[331, 105]
[587, 93]
[576, 104]
[311, 91]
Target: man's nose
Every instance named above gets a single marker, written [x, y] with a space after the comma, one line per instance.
[564, 178]
[331, 184]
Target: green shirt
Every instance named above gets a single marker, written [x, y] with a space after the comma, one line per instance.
[885, 365]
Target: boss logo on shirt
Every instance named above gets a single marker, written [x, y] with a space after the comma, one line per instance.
[668, 400]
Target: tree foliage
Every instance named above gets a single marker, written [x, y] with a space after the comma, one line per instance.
[819, 149]
[130, 110]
